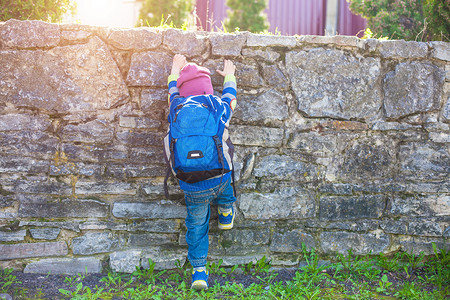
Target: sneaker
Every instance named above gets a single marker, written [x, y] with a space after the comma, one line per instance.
[199, 278]
[226, 219]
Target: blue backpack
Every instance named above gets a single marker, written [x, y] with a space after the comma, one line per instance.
[197, 146]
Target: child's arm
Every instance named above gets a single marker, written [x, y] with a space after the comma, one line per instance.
[179, 61]
[229, 83]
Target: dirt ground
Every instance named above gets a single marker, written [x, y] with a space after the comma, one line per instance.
[48, 285]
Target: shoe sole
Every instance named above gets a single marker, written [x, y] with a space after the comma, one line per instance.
[199, 285]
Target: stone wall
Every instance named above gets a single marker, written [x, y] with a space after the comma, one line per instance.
[341, 143]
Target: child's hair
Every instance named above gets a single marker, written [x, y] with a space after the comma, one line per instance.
[194, 80]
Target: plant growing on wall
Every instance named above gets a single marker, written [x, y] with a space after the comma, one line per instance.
[174, 13]
[406, 19]
[45, 10]
[247, 15]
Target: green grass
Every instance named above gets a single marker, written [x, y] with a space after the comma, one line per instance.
[399, 276]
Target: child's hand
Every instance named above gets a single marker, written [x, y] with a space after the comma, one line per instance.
[228, 68]
[179, 61]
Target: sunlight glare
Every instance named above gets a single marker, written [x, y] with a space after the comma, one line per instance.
[115, 13]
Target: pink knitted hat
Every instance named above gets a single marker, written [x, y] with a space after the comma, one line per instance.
[194, 80]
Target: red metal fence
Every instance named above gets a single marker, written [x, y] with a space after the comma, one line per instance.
[348, 23]
[288, 17]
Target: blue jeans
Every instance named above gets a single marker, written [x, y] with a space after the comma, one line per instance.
[197, 220]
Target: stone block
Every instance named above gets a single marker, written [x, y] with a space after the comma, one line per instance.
[45, 233]
[371, 157]
[156, 190]
[93, 243]
[149, 69]
[336, 189]
[413, 87]
[29, 34]
[29, 250]
[395, 226]
[135, 138]
[246, 167]
[441, 50]
[256, 136]
[227, 44]
[65, 266]
[363, 225]
[164, 258]
[341, 241]
[104, 188]
[267, 108]
[260, 40]
[339, 40]
[314, 143]
[39, 186]
[185, 42]
[446, 233]
[214, 64]
[440, 137]
[97, 131]
[65, 209]
[69, 225]
[125, 261]
[266, 54]
[146, 155]
[284, 167]
[424, 228]
[137, 240]
[429, 205]
[76, 78]
[286, 260]
[154, 102]
[138, 122]
[429, 187]
[232, 260]
[416, 245]
[297, 203]
[331, 83]
[102, 32]
[275, 78]
[101, 225]
[424, 160]
[346, 208]
[247, 74]
[90, 153]
[123, 171]
[345, 40]
[12, 236]
[291, 241]
[245, 237]
[77, 168]
[160, 226]
[78, 35]
[149, 210]
[446, 110]
[17, 164]
[142, 38]
[34, 144]
[5, 200]
[21, 122]
[369, 45]
[8, 210]
[384, 126]
[402, 49]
